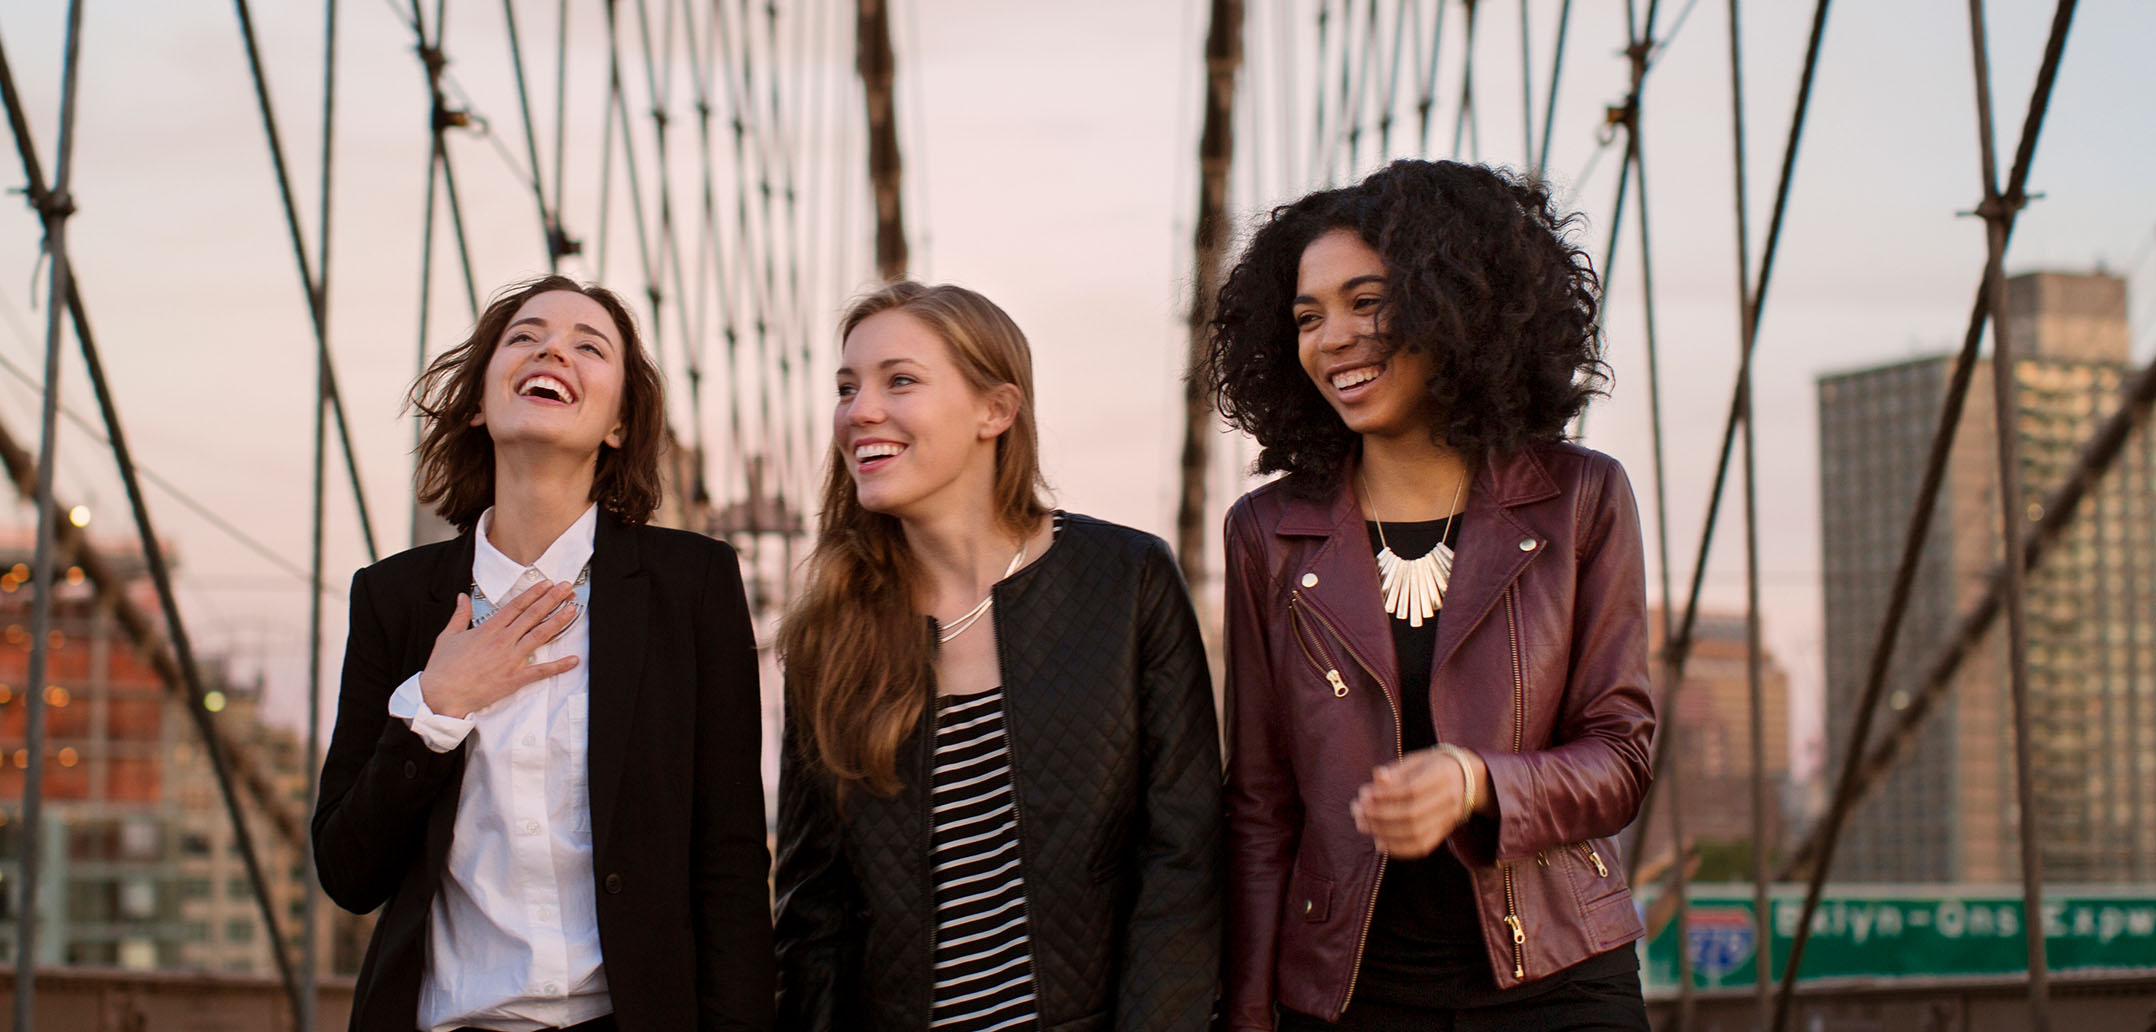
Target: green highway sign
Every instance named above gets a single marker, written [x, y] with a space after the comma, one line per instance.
[1882, 933]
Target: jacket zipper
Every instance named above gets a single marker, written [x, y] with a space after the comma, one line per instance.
[1331, 672]
[1399, 749]
[1519, 721]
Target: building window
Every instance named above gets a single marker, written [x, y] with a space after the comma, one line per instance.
[239, 930]
[239, 888]
[194, 888]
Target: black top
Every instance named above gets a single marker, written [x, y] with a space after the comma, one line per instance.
[1115, 770]
[1425, 947]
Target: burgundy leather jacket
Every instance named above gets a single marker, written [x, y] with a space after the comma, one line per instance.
[1540, 667]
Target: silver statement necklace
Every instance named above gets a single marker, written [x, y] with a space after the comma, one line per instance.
[484, 608]
[1414, 589]
[973, 615]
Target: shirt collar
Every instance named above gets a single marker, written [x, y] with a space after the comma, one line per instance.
[496, 573]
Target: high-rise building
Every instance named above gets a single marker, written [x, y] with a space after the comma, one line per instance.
[1714, 751]
[1948, 811]
[139, 864]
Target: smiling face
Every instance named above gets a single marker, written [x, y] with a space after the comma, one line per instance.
[913, 431]
[555, 378]
[1338, 310]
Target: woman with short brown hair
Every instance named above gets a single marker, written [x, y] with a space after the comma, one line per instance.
[544, 765]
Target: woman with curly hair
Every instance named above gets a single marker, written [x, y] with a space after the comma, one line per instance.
[1436, 632]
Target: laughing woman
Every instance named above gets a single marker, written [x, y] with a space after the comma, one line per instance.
[1436, 632]
[999, 805]
[544, 766]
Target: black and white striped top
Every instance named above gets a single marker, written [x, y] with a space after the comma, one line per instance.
[984, 955]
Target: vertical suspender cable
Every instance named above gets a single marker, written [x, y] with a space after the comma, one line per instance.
[1527, 91]
[53, 207]
[311, 898]
[1762, 928]
[1216, 160]
[1549, 108]
[2006, 424]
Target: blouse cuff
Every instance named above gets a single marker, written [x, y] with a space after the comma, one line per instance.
[441, 733]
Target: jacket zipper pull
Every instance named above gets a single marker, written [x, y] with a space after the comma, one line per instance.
[1519, 940]
[1596, 859]
[1339, 686]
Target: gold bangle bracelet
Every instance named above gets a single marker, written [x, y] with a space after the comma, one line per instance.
[1467, 776]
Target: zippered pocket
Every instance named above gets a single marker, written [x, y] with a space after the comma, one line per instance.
[1314, 649]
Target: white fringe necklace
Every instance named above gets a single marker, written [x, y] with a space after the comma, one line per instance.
[1414, 589]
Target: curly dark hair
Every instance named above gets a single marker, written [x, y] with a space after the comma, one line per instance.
[1480, 274]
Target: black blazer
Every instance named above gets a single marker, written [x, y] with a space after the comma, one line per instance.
[677, 805]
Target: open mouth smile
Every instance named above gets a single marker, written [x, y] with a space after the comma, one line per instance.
[870, 456]
[1352, 385]
[545, 387]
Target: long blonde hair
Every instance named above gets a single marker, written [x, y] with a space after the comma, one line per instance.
[854, 645]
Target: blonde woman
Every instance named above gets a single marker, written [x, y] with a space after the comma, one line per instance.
[999, 806]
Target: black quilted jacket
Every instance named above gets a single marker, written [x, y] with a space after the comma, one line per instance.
[1116, 761]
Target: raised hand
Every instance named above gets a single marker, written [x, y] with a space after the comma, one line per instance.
[472, 668]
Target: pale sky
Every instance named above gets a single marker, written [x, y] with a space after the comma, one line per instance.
[1050, 156]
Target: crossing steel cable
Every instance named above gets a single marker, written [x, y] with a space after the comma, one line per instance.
[617, 97]
[174, 491]
[1392, 80]
[1557, 65]
[1677, 646]
[707, 256]
[55, 205]
[740, 82]
[1427, 106]
[308, 278]
[792, 359]
[1358, 102]
[666, 253]
[1864, 764]
[712, 265]
[770, 309]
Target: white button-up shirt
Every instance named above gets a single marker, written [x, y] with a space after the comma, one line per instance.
[513, 937]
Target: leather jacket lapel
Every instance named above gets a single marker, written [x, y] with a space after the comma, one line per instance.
[1338, 582]
[620, 599]
[1495, 546]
